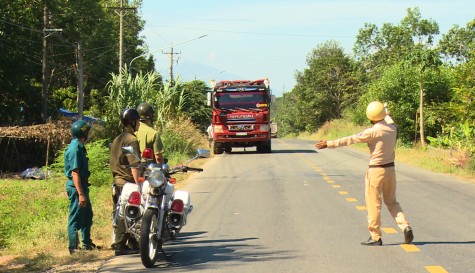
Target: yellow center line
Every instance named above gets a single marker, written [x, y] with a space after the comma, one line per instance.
[361, 207]
[351, 199]
[410, 248]
[389, 230]
[343, 192]
[435, 269]
[336, 186]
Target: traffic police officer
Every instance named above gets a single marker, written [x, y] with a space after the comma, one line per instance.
[381, 175]
[146, 135]
[76, 169]
[122, 173]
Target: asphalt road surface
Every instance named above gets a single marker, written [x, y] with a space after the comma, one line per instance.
[301, 210]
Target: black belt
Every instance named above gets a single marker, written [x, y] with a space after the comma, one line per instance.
[382, 166]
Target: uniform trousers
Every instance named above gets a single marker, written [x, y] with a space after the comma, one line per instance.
[380, 184]
[122, 237]
[80, 218]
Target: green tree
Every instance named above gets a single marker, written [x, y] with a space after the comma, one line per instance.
[459, 43]
[326, 87]
[286, 114]
[87, 21]
[20, 65]
[376, 48]
[423, 59]
[195, 106]
[397, 86]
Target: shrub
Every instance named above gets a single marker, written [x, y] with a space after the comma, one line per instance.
[98, 154]
[180, 139]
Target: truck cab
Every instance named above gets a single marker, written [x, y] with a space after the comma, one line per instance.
[241, 115]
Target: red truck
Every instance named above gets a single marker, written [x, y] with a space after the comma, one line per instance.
[241, 115]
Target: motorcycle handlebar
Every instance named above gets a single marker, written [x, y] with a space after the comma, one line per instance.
[195, 169]
[185, 169]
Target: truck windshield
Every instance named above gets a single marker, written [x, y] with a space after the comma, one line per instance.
[241, 100]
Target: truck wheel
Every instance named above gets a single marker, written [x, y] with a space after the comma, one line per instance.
[228, 149]
[260, 148]
[217, 149]
[268, 147]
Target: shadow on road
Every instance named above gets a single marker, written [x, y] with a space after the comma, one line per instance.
[192, 251]
[444, 243]
[277, 152]
[435, 243]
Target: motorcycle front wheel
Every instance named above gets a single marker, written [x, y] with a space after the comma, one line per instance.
[149, 245]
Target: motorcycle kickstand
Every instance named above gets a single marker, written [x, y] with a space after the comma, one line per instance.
[168, 257]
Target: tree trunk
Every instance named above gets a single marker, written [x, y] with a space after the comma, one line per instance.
[421, 106]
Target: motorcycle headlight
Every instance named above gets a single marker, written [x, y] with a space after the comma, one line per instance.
[156, 178]
[264, 128]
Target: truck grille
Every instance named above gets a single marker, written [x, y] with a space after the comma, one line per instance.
[241, 127]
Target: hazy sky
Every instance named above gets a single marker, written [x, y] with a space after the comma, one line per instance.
[264, 38]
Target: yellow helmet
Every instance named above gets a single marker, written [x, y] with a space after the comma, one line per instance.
[375, 111]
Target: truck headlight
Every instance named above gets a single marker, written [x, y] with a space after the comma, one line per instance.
[218, 129]
[264, 127]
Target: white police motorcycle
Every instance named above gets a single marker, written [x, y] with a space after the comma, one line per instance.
[153, 211]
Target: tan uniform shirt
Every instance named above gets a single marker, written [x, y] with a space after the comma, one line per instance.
[149, 138]
[381, 139]
[120, 163]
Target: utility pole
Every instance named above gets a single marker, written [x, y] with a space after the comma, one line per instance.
[45, 68]
[121, 32]
[121, 36]
[171, 64]
[79, 74]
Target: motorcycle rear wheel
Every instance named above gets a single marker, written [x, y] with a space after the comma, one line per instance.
[149, 245]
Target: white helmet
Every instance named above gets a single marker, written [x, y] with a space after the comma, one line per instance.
[375, 111]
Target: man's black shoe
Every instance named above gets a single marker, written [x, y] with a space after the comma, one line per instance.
[119, 252]
[408, 235]
[92, 247]
[372, 242]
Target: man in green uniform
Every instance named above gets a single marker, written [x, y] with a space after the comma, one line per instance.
[76, 169]
[380, 180]
[125, 170]
[146, 135]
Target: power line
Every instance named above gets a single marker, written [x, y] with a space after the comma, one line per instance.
[259, 33]
[20, 26]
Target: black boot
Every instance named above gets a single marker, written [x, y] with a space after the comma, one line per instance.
[372, 242]
[408, 235]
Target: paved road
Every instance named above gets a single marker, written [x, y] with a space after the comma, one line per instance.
[298, 210]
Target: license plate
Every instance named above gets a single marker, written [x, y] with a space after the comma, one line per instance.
[241, 134]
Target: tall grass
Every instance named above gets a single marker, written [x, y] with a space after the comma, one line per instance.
[181, 139]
